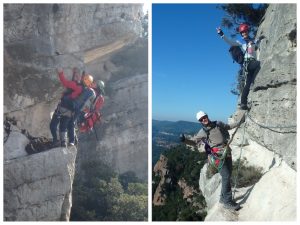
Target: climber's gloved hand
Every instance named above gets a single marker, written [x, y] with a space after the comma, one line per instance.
[220, 32]
[182, 137]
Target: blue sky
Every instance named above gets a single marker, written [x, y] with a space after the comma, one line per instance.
[191, 66]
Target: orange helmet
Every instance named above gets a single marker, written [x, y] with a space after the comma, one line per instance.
[243, 28]
[87, 80]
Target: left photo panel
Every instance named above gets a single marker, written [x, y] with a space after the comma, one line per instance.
[75, 112]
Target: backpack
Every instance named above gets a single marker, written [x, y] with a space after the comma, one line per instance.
[86, 95]
[38, 144]
[237, 54]
[89, 119]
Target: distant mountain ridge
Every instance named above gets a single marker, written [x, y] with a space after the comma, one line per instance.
[175, 127]
[165, 134]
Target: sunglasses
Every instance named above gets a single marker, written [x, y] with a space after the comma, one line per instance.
[202, 118]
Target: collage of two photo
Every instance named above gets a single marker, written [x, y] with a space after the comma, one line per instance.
[149, 112]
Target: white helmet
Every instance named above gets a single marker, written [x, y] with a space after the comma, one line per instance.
[200, 114]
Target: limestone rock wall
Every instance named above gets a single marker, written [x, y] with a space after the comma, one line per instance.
[261, 201]
[272, 121]
[37, 187]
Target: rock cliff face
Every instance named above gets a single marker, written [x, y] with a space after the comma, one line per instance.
[273, 94]
[161, 170]
[102, 39]
[269, 130]
[123, 132]
[37, 187]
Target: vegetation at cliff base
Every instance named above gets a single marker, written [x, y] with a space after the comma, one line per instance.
[103, 195]
[183, 164]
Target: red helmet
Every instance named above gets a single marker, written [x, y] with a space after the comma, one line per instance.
[243, 28]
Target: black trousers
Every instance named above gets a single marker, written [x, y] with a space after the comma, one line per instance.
[253, 68]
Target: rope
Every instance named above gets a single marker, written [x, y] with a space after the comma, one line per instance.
[268, 127]
[241, 149]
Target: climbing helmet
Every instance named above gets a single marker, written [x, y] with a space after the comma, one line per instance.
[200, 114]
[243, 28]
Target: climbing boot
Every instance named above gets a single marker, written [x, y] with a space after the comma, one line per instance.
[232, 205]
[64, 139]
[243, 107]
[221, 201]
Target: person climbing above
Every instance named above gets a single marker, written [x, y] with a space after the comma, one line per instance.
[215, 136]
[63, 114]
[248, 61]
[88, 119]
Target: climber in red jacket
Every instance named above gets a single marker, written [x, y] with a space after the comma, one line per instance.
[64, 111]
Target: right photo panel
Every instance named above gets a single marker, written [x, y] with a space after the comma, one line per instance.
[224, 112]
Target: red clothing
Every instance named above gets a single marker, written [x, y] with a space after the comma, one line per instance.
[92, 117]
[76, 88]
[98, 103]
[90, 120]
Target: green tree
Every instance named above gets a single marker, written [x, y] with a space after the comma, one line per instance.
[237, 14]
[128, 177]
[137, 189]
[130, 208]
[101, 196]
[186, 164]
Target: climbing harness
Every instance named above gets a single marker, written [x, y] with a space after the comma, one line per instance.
[217, 156]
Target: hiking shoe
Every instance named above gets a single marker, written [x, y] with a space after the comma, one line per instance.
[71, 144]
[232, 205]
[244, 107]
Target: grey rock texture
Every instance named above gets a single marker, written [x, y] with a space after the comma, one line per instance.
[272, 198]
[267, 139]
[14, 144]
[127, 150]
[39, 187]
[123, 131]
[273, 95]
